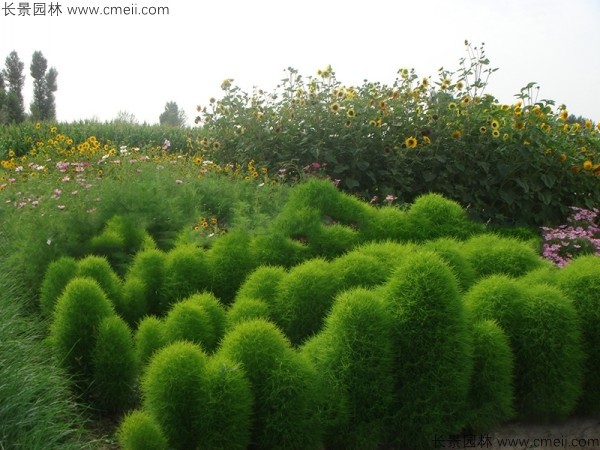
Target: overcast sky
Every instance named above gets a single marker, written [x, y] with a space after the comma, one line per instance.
[137, 63]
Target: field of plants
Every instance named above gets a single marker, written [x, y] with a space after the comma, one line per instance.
[318, 267]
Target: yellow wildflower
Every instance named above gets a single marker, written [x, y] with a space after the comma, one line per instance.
[411, 142]
[588, 165]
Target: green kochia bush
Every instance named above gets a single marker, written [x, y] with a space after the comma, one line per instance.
[216, 312]
[304, 298]
[284, 386]
[490, 254]
[353, 356]
[228, 416]
[57, 276]
[186, 272]
[74, 329]
[174, 392]
[134, 302]
[491, 393]
[140, 431]
[358, 269]
[580, 281]
[452, 252]
[115, 366]
[98, 268]
[432, 350]
[246, 308]
[433, 216]
[263, 283]
[229, 262]
[148, 338]
[536, 319]
[549, 384]
[149, 266]
[188, 320]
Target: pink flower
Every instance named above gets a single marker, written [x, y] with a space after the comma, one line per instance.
[390, 198]
[373, 199]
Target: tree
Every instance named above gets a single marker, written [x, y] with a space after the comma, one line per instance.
[172, 116]
[13, 73]
[44, 85]
[2, 99]
[125, 117]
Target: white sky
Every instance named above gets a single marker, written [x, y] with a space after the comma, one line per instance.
[108, 64]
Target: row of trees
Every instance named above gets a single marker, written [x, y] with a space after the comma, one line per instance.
[12, 81]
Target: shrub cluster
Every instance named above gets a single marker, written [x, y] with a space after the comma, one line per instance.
[450, 328]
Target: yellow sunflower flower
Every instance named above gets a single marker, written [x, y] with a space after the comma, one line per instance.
[410, 142]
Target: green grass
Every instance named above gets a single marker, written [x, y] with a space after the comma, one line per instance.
[37, 409]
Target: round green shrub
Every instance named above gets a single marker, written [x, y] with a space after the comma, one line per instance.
[134, 303]
[174, 392]
[357, 359]
[187, 320]
[549, 370]
[490, 254]
[262, 283]
[186, 272]
[216, 312]
[149, 266]
[228, 414]
[451, 251]
[74, 329]
[148, 338]
[580, 281]
[284, 386]
[140, 431]
[356, 269]
[432, 216]
[392, 223]
[304, 298]
[275, 248]
[98, 268]
[432, 349]
[229, 262]
[115, 366]
[389, 252]
[536, 319]
[547, 274]
[491, 392]
[58, 274]
[246, 308]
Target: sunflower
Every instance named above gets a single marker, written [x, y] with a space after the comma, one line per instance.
[495, 133]
[564, 114]
[466, 100]
[495, 124]
[460, 85]
[411, 142]
[588, 165]
[482, 130]
[562, 158]
[351, 113]
[457, 134]
[519, 125]
[335, 107]
[348, 124]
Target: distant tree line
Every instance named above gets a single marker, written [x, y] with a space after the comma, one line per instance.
[12, 81]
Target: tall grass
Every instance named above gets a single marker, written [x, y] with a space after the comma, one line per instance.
[37, 410]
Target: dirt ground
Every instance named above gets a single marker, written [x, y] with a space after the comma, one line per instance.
[576, 433]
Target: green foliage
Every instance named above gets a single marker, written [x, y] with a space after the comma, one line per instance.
[134, 304]
[74, 329]
[186, 272]
[148, 338]
[580, 281]
[284, 386]
[354, 358]
[358, 269]
[172, 116]
[263, 284]
[275, 248]
[57, 276]
[99, 269]
[245, 309]
[44, 85]
[115, 366]
[149, 267]
[228, 414]
[549, 370]
[174, 392]
[535, 318]
[491, 393]
[491, 254]
[304, 298]
[451, 251]
[433, 216]
[423, 292]
[229, 262]
[392, 223]
[140, 431]
[188, 320]
[14, 107]
[37, 408]
[417, 135]
[119, 241]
